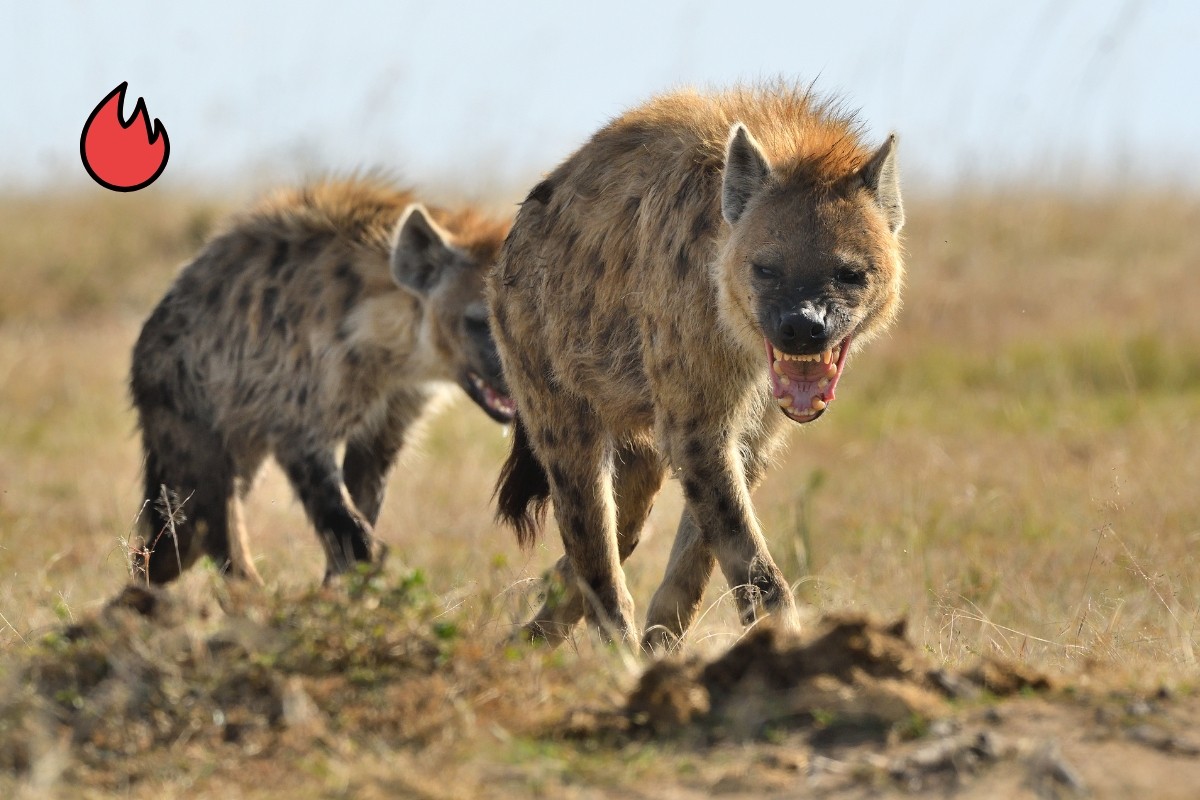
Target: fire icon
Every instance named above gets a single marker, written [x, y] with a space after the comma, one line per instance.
[123, 156]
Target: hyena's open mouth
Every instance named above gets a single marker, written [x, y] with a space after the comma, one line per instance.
[804, 385]
[498, 405]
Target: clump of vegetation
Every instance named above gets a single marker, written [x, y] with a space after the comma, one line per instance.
[376, 655]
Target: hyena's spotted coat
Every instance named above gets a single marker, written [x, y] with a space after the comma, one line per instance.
[329, 315]
[702, 264]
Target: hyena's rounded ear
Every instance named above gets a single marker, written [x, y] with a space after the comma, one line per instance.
[881, 176]
[419, 249]
[746, 172]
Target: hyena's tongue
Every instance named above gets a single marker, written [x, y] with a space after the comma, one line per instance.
[804, 385]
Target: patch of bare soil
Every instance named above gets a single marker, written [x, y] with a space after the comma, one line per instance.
[373, 689]
[858, 711]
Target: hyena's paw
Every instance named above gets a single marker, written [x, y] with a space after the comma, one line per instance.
[359, 569]
[767, 593]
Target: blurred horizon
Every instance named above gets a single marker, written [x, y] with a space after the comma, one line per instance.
[479, 98]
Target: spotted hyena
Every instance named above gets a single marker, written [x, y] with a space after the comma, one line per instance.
[328, 316]
[690, 279]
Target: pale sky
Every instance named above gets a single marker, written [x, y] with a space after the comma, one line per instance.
[491, 94]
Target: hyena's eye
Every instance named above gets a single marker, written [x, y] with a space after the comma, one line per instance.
[851, 277]
[765, 273]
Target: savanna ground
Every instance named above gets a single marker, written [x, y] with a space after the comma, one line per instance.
[1013, 471]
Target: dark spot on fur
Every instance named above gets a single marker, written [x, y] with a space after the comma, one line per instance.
[609, 336]
[691, 489]
[572, 238]
[559, 476]
[353, 285]
[695, 449]
[214, 296]
[269, 297]
[632, 204]
[527, 366]
[302, 396]
[353, 358]
[549, 438]
[724, 508]
[279, 255]
[684, 197]
[542, 192]
[311, 247]
[243, 301]
[683, 264]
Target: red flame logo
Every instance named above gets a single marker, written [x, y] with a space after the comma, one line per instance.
[120, 155]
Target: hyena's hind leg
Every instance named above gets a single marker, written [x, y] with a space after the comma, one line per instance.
[188, 486]
[370, 455]
[344, 532]
[578, 459]
[638, 476]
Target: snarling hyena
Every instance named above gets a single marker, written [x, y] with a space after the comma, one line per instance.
[328, 316]
[693, 276]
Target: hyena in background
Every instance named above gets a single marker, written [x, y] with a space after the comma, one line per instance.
[695, 274]
[330, 315]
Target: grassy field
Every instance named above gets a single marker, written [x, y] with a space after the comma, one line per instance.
[1014, 470]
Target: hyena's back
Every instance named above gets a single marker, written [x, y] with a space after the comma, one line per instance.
[273, 296]
[327, 315]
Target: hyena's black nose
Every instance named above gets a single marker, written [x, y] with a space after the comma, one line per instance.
[801, 328]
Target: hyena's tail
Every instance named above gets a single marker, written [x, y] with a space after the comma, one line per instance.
[523, 490]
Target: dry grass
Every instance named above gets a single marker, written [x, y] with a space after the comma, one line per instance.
[1013, 469]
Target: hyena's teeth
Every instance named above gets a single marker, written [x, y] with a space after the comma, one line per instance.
[778, 367]
[821, 384]
[831, 372]
[783, 380]
[827, 356]
[818, 404]
[785, 401]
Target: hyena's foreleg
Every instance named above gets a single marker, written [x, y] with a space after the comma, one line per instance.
[638, 477]
[344, 531]
[717, 523]
[370, 454]
[188, 485]
[241, 562]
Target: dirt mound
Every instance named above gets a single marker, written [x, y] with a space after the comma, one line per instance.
[855, 678]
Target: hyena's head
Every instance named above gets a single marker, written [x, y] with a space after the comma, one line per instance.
[446, 272]
[812, 267]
